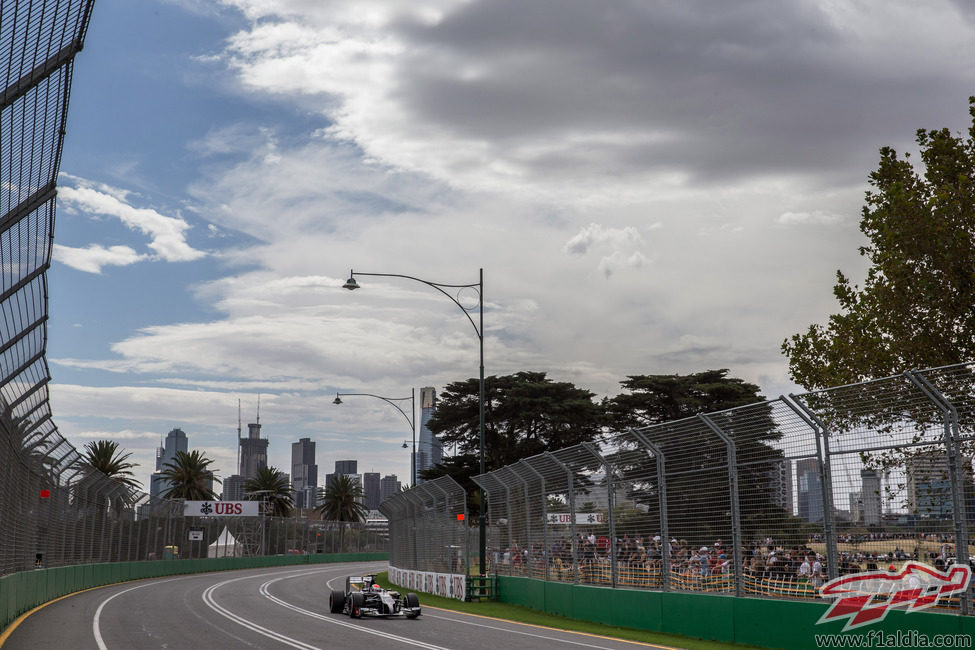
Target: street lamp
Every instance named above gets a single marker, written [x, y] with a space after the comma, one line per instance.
[411, 418]
[351, 284]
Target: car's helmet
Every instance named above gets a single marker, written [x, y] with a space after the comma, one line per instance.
[376, 587]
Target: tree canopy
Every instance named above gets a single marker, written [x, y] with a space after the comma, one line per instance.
[916, 308]
[104, 456]
[524, 414]
[189, 477]
[271, 487]
[343, 500]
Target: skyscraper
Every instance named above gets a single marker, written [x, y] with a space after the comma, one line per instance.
[371, 486]
[929, 491]
[388, 486]
[253, 451]
[870, 496]
[810, 489]
[176, 441]
[304, 472]
[429, 450]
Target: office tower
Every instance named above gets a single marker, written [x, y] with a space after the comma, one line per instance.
[371, 486]
[929, 486]
[304, 472]
[870, 497]
[253, 451]
[429, 451]
[810, 489]
[233, 488]
[388, 486]
[346, 467]
[780, 484]
[175, 441]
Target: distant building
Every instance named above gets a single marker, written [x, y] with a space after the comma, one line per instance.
[388, 486]
[809, 491]
[780, 484]
[346, 467]
[304, 472]
[253, 452]
[371, 486]
[929, 486]
[176, 441]
[870, 497]
[429, 451]
[233, 488]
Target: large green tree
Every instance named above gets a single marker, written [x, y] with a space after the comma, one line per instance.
[271, 487]
[189, 477]
[343, 500]
[525, 414]
[698, 492]
[916, 308]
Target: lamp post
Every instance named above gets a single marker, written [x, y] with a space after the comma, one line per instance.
[478, 286]
[411, 418]
[263, 494]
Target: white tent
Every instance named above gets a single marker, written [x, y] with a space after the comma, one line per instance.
[225, 546]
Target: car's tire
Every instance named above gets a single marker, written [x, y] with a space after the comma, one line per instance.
[411, 601]
[336, 601]
[356, 601]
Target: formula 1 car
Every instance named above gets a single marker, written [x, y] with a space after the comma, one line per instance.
[363, 597]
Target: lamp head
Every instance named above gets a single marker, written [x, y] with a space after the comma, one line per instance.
[337, 400]
[351, 284]
[405, 446]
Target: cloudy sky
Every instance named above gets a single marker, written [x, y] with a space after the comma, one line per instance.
[650, 186]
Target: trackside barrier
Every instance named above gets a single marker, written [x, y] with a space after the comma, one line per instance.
[753, 621]
[23, 591]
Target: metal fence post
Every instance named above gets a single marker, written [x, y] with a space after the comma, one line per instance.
[662, 497]
[611, 507]
[826, 478]
[570, 478]
[735, 505]
[546, 549]
[955, 476]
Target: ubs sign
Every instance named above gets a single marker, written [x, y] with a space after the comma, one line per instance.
[221, 508]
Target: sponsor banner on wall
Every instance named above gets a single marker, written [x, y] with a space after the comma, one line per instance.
[582, 518]
[448, 585]
[221, 508]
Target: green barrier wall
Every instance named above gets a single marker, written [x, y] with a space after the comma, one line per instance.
[22, 592]
[752, 621]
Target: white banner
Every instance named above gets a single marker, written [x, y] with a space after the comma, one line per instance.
[582, 518]
[448, 585]
[221, 508]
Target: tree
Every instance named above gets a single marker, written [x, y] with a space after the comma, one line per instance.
[343, 500]
[271, 487]
[917, 306]
[698, 503]
[525, 414]
[189, 477]
[343, 503]
[104, 456]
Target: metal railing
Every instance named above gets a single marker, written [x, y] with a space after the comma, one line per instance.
[847, 479]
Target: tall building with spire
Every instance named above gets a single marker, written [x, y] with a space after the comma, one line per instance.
[253, 450]
[175, 441]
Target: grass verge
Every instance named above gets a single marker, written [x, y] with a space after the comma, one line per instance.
[532, 617]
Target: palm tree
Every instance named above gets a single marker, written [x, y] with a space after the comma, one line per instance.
[343, 502]
[270, 486]
[105, 456]
[189, 477]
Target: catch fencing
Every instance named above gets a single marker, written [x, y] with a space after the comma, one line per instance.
[56, 510]
[849, 479]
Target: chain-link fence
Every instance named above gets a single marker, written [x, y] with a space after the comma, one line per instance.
[768, 499]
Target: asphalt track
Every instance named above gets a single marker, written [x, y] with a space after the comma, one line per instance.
[282, 607]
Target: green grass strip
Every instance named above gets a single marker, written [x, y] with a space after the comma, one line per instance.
[520, 614]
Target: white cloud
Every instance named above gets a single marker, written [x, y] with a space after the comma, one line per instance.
[816, 217]
[167, 235]
[94, 257]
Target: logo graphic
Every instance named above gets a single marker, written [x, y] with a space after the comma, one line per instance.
[206, 508]
[865, 598]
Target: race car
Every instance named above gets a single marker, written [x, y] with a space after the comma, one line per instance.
[363, 597]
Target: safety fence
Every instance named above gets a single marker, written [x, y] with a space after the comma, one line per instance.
[56, 509]
[769, 499]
